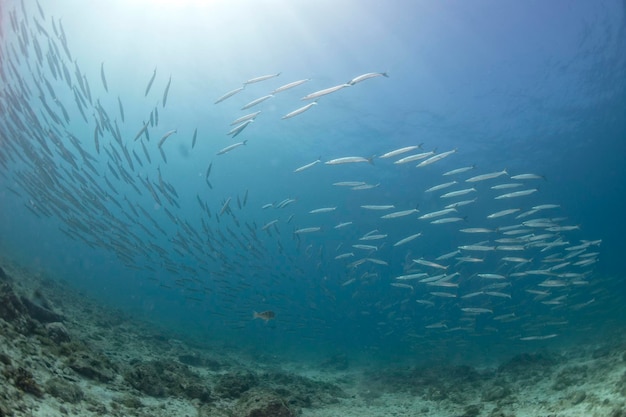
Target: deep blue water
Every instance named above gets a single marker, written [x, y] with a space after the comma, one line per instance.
[530, 87]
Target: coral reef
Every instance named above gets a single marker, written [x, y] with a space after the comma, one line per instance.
[234, 384]
[91, 361]
[263, 403]
[161, 378]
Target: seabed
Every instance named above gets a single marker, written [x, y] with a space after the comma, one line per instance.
[62, 354]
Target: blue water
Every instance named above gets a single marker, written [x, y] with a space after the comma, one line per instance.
[530, 87]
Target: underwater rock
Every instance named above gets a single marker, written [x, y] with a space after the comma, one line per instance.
[167, 378]
[4, 276]
[13, 311]
[129, 401]
[618, 412]
[496, 392]
[300, 391]
[262, 403]
[64, 390]
[25, 381]
[578, 396]
[530, 368]
[93, 366]
[193, 359]
[528, 362]
[5, 359]
[57, 332]
[40, 313]
[621, 385]
[570, 376]
[472, 410]
[234, 384]
[11, 308]
[213, 410]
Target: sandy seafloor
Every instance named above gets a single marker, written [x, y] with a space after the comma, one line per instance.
[62, 354]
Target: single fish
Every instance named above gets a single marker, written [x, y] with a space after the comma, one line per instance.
[507, 185]
[261, 78]
[228, 95]
[449, 220]
[167, 89]
[502, 213]
[378, 207]
[250, 116]
[365, 247]
[440, 186]
[299, 111]
[415, 157]
[348, 183]
[289, 86]
[489, 176]
[459, 170]
[480, 248]
[546, 206]
[397, 214]
[476, 310]
[435, 158]
[349, 160]
[257, 101]
[342, 225]
[307, 230]
[476, 230]
[309, 165]
[458, 193]
[407, 240]
[193, 139]
[528, 177]
[119, 102]
[367, 77]
[400, 285]
[460, 203]
[409, 277]
[324, 92]
[400, 151]
[150, 82]
[323, 210]
[231, 147]
[264, 315]
[165, 136]
[491, 276]
[424, 262]
[365, 186]
[225, 206]
[516, 194]
[104, 80]
[437, 213]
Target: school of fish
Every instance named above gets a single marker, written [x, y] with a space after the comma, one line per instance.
[511, 249]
